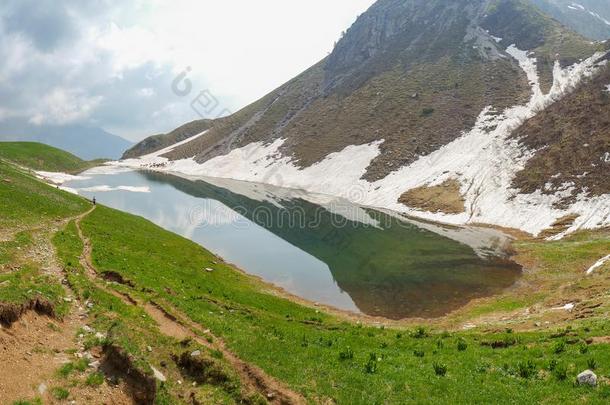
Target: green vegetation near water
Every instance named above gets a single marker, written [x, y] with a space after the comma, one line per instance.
[28, 209]
[38, 156]
[327, 358]
[324, 357]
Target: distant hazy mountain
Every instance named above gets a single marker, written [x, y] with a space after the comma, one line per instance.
[589, 17]
[85, 142]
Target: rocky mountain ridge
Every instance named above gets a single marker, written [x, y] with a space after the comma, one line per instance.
[416, 94]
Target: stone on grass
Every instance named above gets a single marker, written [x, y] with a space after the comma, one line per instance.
[158, 375]
[587, 377]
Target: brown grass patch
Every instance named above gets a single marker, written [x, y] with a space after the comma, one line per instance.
[445, 197]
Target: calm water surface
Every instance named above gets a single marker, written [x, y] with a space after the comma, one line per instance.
[320, 248]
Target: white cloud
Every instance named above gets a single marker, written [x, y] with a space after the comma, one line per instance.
[115, 64]
[147, 92]
[64, 106]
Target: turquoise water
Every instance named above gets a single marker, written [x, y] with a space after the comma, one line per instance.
[323, 249]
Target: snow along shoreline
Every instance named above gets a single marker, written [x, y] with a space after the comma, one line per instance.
[484, 160]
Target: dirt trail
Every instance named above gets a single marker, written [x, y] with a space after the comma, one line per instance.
[180, 327]
[35, 346]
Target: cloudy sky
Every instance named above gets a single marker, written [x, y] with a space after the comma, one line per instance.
[112, 63]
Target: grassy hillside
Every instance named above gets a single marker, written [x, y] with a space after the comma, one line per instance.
[327, 358]
[38, 156]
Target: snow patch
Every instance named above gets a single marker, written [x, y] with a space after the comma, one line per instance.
[58, 178]
[567, 307]
[105, 188]
[598, 264]
[484, 160]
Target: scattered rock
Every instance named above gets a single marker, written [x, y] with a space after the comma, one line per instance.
[196, 353]
[158, 375]
[100, 335]
[94, 364]
[209, 270]
[148, 349]
[67, 299]
[87, 329]
[587, 377]
[42, 388]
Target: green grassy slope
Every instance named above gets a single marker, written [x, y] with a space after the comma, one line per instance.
[325, 357]
[28, 210]
[25, 201]
[330, 359]
[130, 328]
[33, 219]
[38, 156]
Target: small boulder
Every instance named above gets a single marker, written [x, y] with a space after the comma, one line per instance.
[587, 377]
[209, 270]
[158, 375]
[196, 353]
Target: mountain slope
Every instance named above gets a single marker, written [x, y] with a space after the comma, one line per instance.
[85, 142]
[415, 95]
[38, 156]
[573, 139]
[157, 142]
[591, 18]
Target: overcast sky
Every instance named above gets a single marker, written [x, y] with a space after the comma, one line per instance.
[111, 63]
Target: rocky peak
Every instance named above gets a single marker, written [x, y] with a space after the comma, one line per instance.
[407, 32]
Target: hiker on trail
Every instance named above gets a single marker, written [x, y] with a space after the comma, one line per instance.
[93, 200]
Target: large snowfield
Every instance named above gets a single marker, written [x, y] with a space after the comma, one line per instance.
[484, 160]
